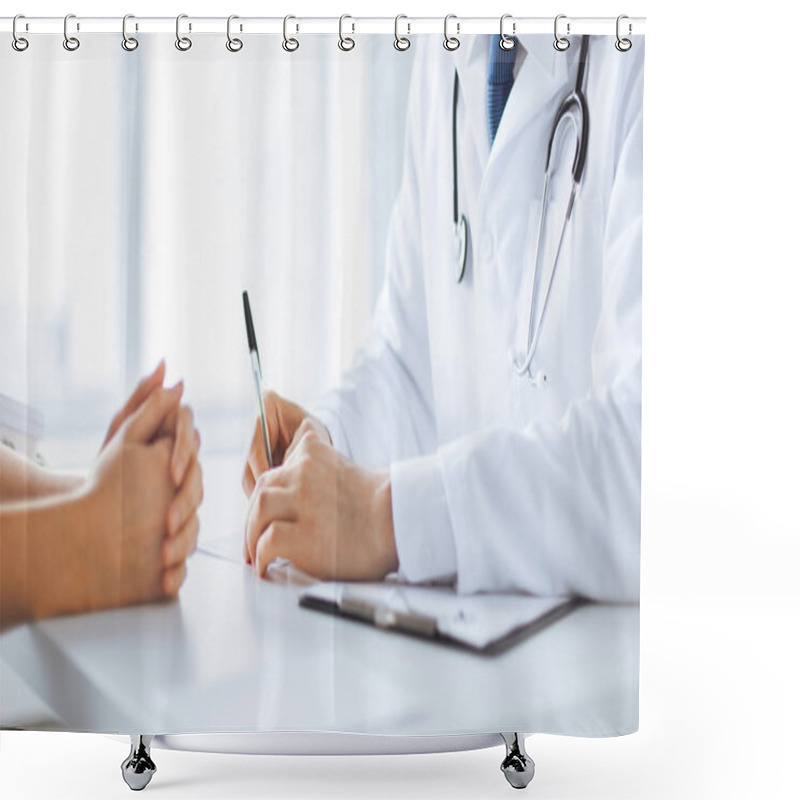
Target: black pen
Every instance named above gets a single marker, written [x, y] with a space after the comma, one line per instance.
[256, 362]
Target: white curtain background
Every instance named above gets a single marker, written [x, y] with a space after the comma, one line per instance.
[141, 192]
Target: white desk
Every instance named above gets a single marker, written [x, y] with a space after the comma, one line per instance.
[236, 654]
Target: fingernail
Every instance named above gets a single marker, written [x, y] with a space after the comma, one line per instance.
[177, 389]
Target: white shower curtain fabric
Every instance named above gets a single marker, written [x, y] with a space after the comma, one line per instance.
[135, 181]
[143, 191]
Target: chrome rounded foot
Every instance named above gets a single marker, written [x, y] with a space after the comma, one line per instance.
[138, 768]
[517, 766]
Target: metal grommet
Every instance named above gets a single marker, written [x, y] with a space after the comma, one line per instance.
[233, 45]
[289, 44]
[345, 42]
[183, 43]
[561, 43]
[401, 42]
[19, 43]
[451, 42]
[71, 43]
[506, 42]
[623, 45]
[128, 42]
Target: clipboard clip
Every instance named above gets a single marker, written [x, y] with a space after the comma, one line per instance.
[385, 617]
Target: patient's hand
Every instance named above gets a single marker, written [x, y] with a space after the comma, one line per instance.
[331, 518]
[184, 467]
[287, 423]
[134, 557]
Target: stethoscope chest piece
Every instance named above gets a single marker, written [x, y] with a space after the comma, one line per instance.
[460, 247]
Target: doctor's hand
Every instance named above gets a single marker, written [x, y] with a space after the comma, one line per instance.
[332, 519]
[287, 423]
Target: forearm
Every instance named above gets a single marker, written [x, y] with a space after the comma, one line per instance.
[565, 520]
[44, 558]
[21, 478]
[553, 509]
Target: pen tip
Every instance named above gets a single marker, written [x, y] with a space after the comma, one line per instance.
[248, 321]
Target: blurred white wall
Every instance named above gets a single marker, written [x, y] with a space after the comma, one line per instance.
[141, 192]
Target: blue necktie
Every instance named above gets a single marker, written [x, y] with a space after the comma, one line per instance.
[500, 79]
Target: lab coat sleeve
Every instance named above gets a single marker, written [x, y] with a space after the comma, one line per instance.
[554, 508]
[382, 410]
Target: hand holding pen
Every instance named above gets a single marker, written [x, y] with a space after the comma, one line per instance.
[315, 509]
[280, 424]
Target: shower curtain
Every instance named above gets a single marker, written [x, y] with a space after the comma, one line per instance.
[441, 250]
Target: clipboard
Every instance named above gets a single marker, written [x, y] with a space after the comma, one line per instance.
[487, 624]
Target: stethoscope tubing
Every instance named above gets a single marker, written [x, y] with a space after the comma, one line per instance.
[574, 103]
[460, 225]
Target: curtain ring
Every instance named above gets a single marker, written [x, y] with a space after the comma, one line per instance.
[183, 43]
[345, 42]
[128, 42]
[561, 43]
[71, 43]
[451, 42]
[507, 42]
[623, 45]
[401, 42]
[233, 45]
[18, 42]
[289, 44]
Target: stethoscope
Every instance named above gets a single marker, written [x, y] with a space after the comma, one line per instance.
[572, 110]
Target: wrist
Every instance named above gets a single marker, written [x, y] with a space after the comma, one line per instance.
[49, 483]
[66, 483]
[383, 524]
[322, 428]
[23, 479]
[96, 517]
[61, 557]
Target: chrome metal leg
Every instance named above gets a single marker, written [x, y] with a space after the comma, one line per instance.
[517, 766]
[138, 768]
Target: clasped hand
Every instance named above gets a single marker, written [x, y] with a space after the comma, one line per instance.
[332, 519]
[148, 484]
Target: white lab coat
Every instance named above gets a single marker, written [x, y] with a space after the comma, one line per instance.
[504, 485]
